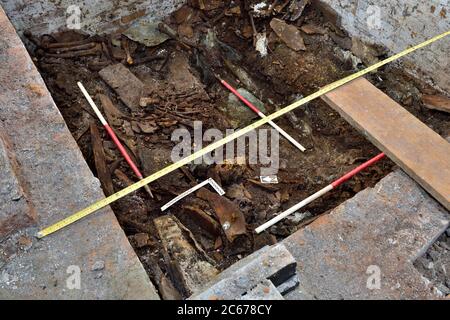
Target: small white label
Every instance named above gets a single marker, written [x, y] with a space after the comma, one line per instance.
[269, 179]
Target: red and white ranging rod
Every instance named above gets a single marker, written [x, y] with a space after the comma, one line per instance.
[262, 115]
[319, 194]
[114, 137]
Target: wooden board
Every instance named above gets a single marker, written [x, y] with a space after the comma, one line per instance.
[417, 149]
[125, 83]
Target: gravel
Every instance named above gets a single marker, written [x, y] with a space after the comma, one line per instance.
[435, 264]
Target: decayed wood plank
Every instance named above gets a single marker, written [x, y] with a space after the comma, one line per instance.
[100, 161]
[125, 83]
[417, 149]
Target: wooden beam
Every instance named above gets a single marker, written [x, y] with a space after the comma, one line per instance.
[103, 173]
[417, 149]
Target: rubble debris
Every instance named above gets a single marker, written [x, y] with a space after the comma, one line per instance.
[313, 29]
[185, 30]
[70, 53]
[228, 213]
[289, 34]
[239, 192]
[348, 58]
[140, 240]
[191, 267]
[236, 11]
[263, 240]
[261, 44]
[164, 28]
[103, 173]
[436, 102]
[116, 117]
[153, 160]
[129, 88]
[321, 192]
[208, 5]
[260, 10]
[435, 263]
[180, 75]
[113, 114]
[368, 53]
[298, 217]
[237, 112]
[296, 9]
[166, 288]
[243, 77]
[167, 102]
[114, 137]
[148, 126]
[265, 186]
[204, 220]
[123, 177]
[146, 32]
[184, 14]
[209, 181]
[265, 290]
[272, 263]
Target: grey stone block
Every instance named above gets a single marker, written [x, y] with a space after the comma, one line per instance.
[59, 183]
[379, 232]
[274, 263]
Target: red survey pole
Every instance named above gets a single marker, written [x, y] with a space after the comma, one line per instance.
[262, 115]
[320, 193]
[113, 136]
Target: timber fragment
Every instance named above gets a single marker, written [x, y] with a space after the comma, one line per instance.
[104, 175]
[289, 34]
[129, 88]
[191, 267]
[436, 102]
[230, 217]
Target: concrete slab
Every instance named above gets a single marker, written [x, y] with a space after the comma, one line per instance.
[263, 291]
[273, 263]
[94, 16]
[59, 182]
[377, 235]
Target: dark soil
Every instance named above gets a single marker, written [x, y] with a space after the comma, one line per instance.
[334, 147]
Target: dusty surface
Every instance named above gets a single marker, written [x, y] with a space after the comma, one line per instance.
[181, 89]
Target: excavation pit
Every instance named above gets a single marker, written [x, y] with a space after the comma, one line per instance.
[176, 80]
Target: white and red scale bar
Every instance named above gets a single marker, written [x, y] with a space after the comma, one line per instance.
[262, 115]
[319, 194]
[113, 136]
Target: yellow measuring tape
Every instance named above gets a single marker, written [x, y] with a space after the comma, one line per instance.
[104, 202]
